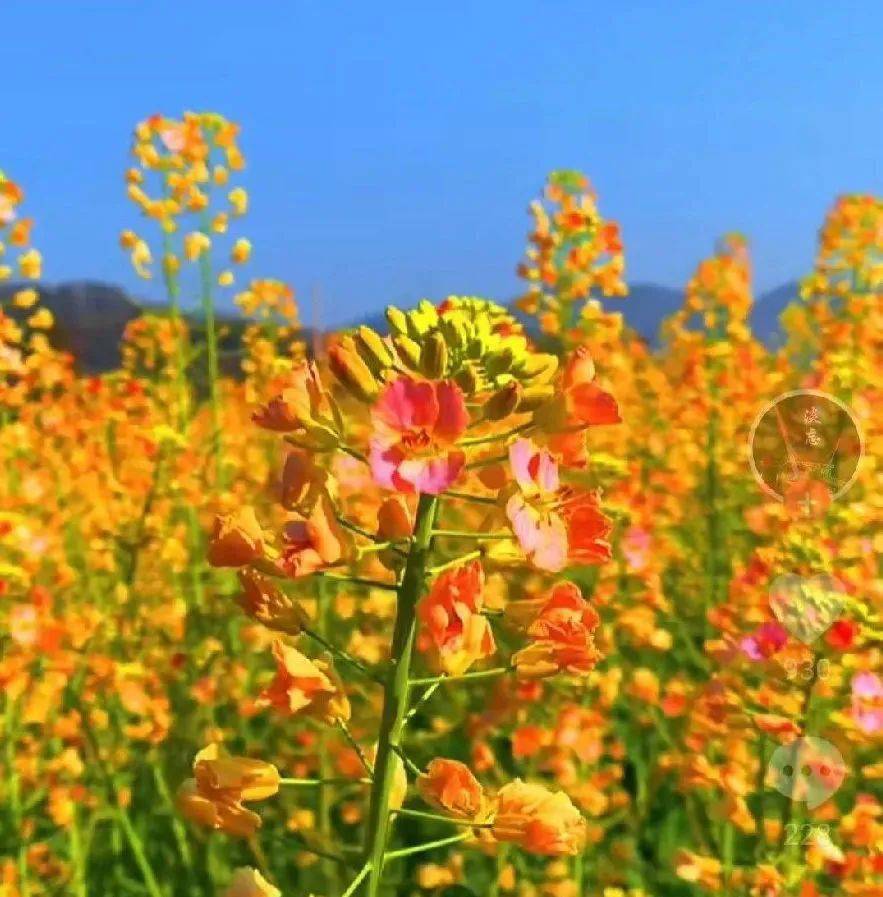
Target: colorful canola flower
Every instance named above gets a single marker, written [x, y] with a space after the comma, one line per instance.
[421, 409]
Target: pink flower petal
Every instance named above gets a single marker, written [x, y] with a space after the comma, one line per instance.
[404, 405]
[431, 475]
[453, 418]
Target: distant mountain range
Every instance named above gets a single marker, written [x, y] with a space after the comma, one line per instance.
[91, 316]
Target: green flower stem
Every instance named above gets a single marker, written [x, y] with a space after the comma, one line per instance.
[178, 830]
[353, 453]
[455, 562]
[476, 499]
[357, 881]
[340, 654]
[10, 737]
[437, 817]
[361, 581]
[429, 845]
[366, 763]
[211, 341]
[78, 858]
[395, 700]
[423, 699]
[323, 783]
[498, 437]
[411, 766]
[478, 674]
[173, 289]
[466, 534]
[137, 848]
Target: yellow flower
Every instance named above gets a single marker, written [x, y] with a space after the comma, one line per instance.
[30, 264]
[41, 319]
[248, 882]
[141, 258]
[225, 278]
[195, 244]
[239, 200]
[241, 251]
[25, 298]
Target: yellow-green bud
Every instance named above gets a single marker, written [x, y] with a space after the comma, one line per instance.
[500, 362]
[373, 349]
[434, 356]
[503, 402]
[535, 396]
[408, 351]
[398, 320]
[467, 379]
[352, 372]
[539, 368]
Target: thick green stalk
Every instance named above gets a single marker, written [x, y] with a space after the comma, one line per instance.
[325, 795]
[78, 860]
[395, 700]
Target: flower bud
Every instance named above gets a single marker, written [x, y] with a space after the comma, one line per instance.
[500, 362]
[434, 356]
[540, 368]
[374, 350]
[398, 322]
[352, 372]
[503, 402]
[394, 520]
[408, 351]
[467, 379]
[535, 396]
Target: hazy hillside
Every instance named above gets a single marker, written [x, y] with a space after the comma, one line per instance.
[91, 317]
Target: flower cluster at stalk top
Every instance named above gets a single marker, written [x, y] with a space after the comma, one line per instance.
[454, 405]
[27, 359]
[181, 167]
[574, 252]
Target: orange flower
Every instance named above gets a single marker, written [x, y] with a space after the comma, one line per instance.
[452, 630]
[449, 786]
[394, 519]
[302, 482]
[304, 686]
[268, 604]
[538, 820]
[237, 540]
[585, 401]
[312, 543]
[215, 795]
[587, 529]
[563, 636]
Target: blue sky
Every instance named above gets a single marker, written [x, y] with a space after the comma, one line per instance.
[393, 147]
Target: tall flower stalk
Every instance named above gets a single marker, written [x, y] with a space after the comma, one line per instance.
[402, 410]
